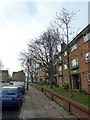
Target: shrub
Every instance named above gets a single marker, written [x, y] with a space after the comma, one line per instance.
[53, 82]
[65, 85]
[41, 83]
[56, 85]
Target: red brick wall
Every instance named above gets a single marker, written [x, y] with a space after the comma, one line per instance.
[84, 68]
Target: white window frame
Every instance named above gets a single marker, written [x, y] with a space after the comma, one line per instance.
[86, 37]
[73, 62]
[74, 47]
[88, 75]
[87, 57]
[60, 68]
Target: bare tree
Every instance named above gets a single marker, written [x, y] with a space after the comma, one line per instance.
[26, 62]
[43, 51]
[63, 21]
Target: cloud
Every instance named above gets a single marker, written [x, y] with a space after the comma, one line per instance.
[23, 20]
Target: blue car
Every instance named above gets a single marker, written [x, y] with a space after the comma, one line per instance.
[11, 96]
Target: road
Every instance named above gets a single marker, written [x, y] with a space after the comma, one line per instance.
[10, 112]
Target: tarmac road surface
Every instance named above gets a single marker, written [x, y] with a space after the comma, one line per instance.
[10, 112]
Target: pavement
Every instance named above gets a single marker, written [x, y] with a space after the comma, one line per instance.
[37, 105]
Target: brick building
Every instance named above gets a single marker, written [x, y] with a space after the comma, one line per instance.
[4, 75]
[79, 55]
[18, 76]
[41, 74]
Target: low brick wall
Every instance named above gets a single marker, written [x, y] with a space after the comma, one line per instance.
[75, 108]
[79, 110]
[62, 101]
[49, 94]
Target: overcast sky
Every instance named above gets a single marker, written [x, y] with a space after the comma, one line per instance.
[22, 20]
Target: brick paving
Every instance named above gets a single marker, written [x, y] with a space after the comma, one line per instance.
[37, 105]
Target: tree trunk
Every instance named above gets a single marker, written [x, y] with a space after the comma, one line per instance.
[51, 81]
[70, 83]
[31, 78]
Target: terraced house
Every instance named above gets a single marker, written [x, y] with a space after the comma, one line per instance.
[79, 55]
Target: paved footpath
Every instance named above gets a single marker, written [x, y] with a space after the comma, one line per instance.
[37, 105]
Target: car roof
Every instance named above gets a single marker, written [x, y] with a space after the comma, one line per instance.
[9, 87]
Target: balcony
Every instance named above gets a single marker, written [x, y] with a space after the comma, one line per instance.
[74, 67]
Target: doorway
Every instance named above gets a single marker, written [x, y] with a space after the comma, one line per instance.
[75, 79]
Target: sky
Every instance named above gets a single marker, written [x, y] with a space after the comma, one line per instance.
[24, 20]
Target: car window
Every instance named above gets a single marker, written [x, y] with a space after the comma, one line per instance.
[9, 91]
[18, 84]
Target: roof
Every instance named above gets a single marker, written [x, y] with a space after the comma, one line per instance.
[83, 32]
[3, 70]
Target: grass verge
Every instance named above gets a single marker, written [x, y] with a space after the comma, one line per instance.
[80, 97]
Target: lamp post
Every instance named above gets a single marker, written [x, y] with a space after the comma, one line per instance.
[27, 74]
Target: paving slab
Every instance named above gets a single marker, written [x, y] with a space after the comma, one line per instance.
[37, 105]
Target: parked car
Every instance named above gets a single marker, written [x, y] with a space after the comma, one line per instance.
[20, 86]
[11, 96]
[5, 84]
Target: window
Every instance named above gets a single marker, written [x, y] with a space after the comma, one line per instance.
[74, 62]
[74, 47]
[89, 77]
[86, 37]
[65, 53]
[66, 79]
[65, 66]
[60, 79]
[59, 70]
[87, 57]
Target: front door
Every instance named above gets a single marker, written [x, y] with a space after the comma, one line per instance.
[75, 81]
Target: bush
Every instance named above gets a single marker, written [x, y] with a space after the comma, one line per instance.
[41, 83]
[56, 85]
[65, 85]
[53, 82]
